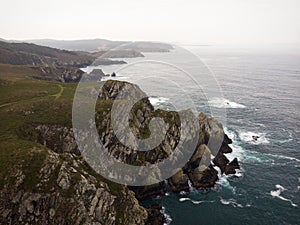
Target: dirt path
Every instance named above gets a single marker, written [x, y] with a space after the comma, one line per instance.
[58, 95]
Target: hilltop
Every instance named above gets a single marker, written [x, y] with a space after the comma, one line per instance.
[94, 45]
[35, 55]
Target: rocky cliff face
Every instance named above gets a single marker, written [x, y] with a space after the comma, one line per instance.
[65, 191]
[68, 190]
[58, 74]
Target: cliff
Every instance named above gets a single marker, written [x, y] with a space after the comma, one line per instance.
[44, 179]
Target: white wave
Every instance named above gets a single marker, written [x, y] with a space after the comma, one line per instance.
[193, 201]
[157, 100]
[277, 193]
[252, 156]
[224, 103]
[167, 216]
[191, 188]
[239, 173]
[248, 137]
[232, 202]
[283, 141]
[239, 153]
[184, 199]
[283, 157]
[223, 181]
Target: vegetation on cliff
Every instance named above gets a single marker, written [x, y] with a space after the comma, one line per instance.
[43, 178]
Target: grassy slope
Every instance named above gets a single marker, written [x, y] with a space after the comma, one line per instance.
[30, 50]
[25, 100]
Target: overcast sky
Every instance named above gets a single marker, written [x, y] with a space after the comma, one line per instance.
[183, 21]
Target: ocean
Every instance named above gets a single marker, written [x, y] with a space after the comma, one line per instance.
[260, 90]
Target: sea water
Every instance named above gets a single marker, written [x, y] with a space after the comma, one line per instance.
[261, 90]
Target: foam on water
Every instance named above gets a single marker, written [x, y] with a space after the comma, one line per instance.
[283, 157]
[155, 101]
[283, 141]
[248, 137]
[277, 194]
[252, 156]
[225, 103]
[223, 181]
[238, 152]
[194, 201]
[167, 216]
[232, 202]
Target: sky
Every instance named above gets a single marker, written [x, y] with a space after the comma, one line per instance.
[175, 21]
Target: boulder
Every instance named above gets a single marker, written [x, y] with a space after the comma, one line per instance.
[203, 178]
[232, 167]
[225, 148]
[179, 182]
[155, 215]
[221, 161]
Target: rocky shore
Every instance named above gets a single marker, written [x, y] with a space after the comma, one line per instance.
[64, 189]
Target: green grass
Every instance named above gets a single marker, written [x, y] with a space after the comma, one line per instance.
[24, 102]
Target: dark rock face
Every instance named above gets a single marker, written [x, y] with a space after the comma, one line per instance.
[57, 138]
[221, 161]
[59, 74]
[144, 192]
[66, 191]
[232, 167]
[203, 179]
[225, 148]
[156, 217]
[227, 140]
[202, 154]
[179, 182]
[198, 170]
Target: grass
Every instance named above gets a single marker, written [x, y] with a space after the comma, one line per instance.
[25, 101]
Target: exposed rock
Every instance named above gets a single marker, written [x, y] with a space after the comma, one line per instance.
[221, 161]
[80, 199]
[227, 140]
[57, 138]
[202, 154]
[97, 73]
[63, 179]
[156, 217]
[225, 148]
[179, 182]
[203, 178]
[59, 74]
[144, 192]
[68, 190]
[232, 167]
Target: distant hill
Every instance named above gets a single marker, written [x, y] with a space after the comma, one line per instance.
[32, 54]
[93, 45]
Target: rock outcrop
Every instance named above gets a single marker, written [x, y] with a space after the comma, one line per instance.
[69, 190]
[65, 190]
